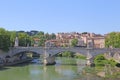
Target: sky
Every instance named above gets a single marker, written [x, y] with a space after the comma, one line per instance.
[52, 16]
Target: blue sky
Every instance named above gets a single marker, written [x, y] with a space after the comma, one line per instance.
[98, 16]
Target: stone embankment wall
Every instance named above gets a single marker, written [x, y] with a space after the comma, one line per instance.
[3, 54]
[114, 56]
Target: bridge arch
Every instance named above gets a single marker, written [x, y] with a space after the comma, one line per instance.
[19, 50]
[56, 51]
[32, 53]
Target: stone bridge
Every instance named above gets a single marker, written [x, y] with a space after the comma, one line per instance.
[49, 51]
[55, 50]
[88, 52]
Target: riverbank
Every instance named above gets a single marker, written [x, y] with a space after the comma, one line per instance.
[107, 72]
[18, 62]
[104, 68]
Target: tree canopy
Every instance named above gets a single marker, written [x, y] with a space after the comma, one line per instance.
[113, 39]
[74, 42]
[4, 39]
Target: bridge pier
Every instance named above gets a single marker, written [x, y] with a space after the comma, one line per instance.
[45, 61]
[49, 60]
[90, 62]
[89, 59]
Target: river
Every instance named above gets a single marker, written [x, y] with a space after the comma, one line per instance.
[64, 69]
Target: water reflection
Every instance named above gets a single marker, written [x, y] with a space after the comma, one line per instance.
[65, 69]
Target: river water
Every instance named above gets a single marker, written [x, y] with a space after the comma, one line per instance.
[65, 69]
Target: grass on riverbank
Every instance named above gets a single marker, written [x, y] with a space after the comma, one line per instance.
[80, 56]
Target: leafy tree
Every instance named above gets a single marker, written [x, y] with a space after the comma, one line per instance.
[40, 33]
[74, 42]
[47, 36]
[4, 39]
[7, 38]
[113, 39]
[99, 60]
[12, 38]
[84, 32]
[42, 41]
[43, 37]
[31, 41]
[24, 39]
[53, 36]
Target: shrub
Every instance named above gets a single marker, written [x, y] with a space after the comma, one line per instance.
[67, 54]
[80, 56]
[101, 61]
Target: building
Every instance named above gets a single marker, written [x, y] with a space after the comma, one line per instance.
[51, 43]
[84, 39]
[99, 42]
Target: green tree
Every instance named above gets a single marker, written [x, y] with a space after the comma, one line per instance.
[4, 39]
[40, 33]
[47, 36]
[24, 39]
[12, 38]
[74, 42]
[113, 39]
[53, 36]
[42, 41]
[44, 37]
[31, 41]
[100, 60]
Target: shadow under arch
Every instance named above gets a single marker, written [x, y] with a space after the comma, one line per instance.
[70, 59]
[32, 53]
[68, 52]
